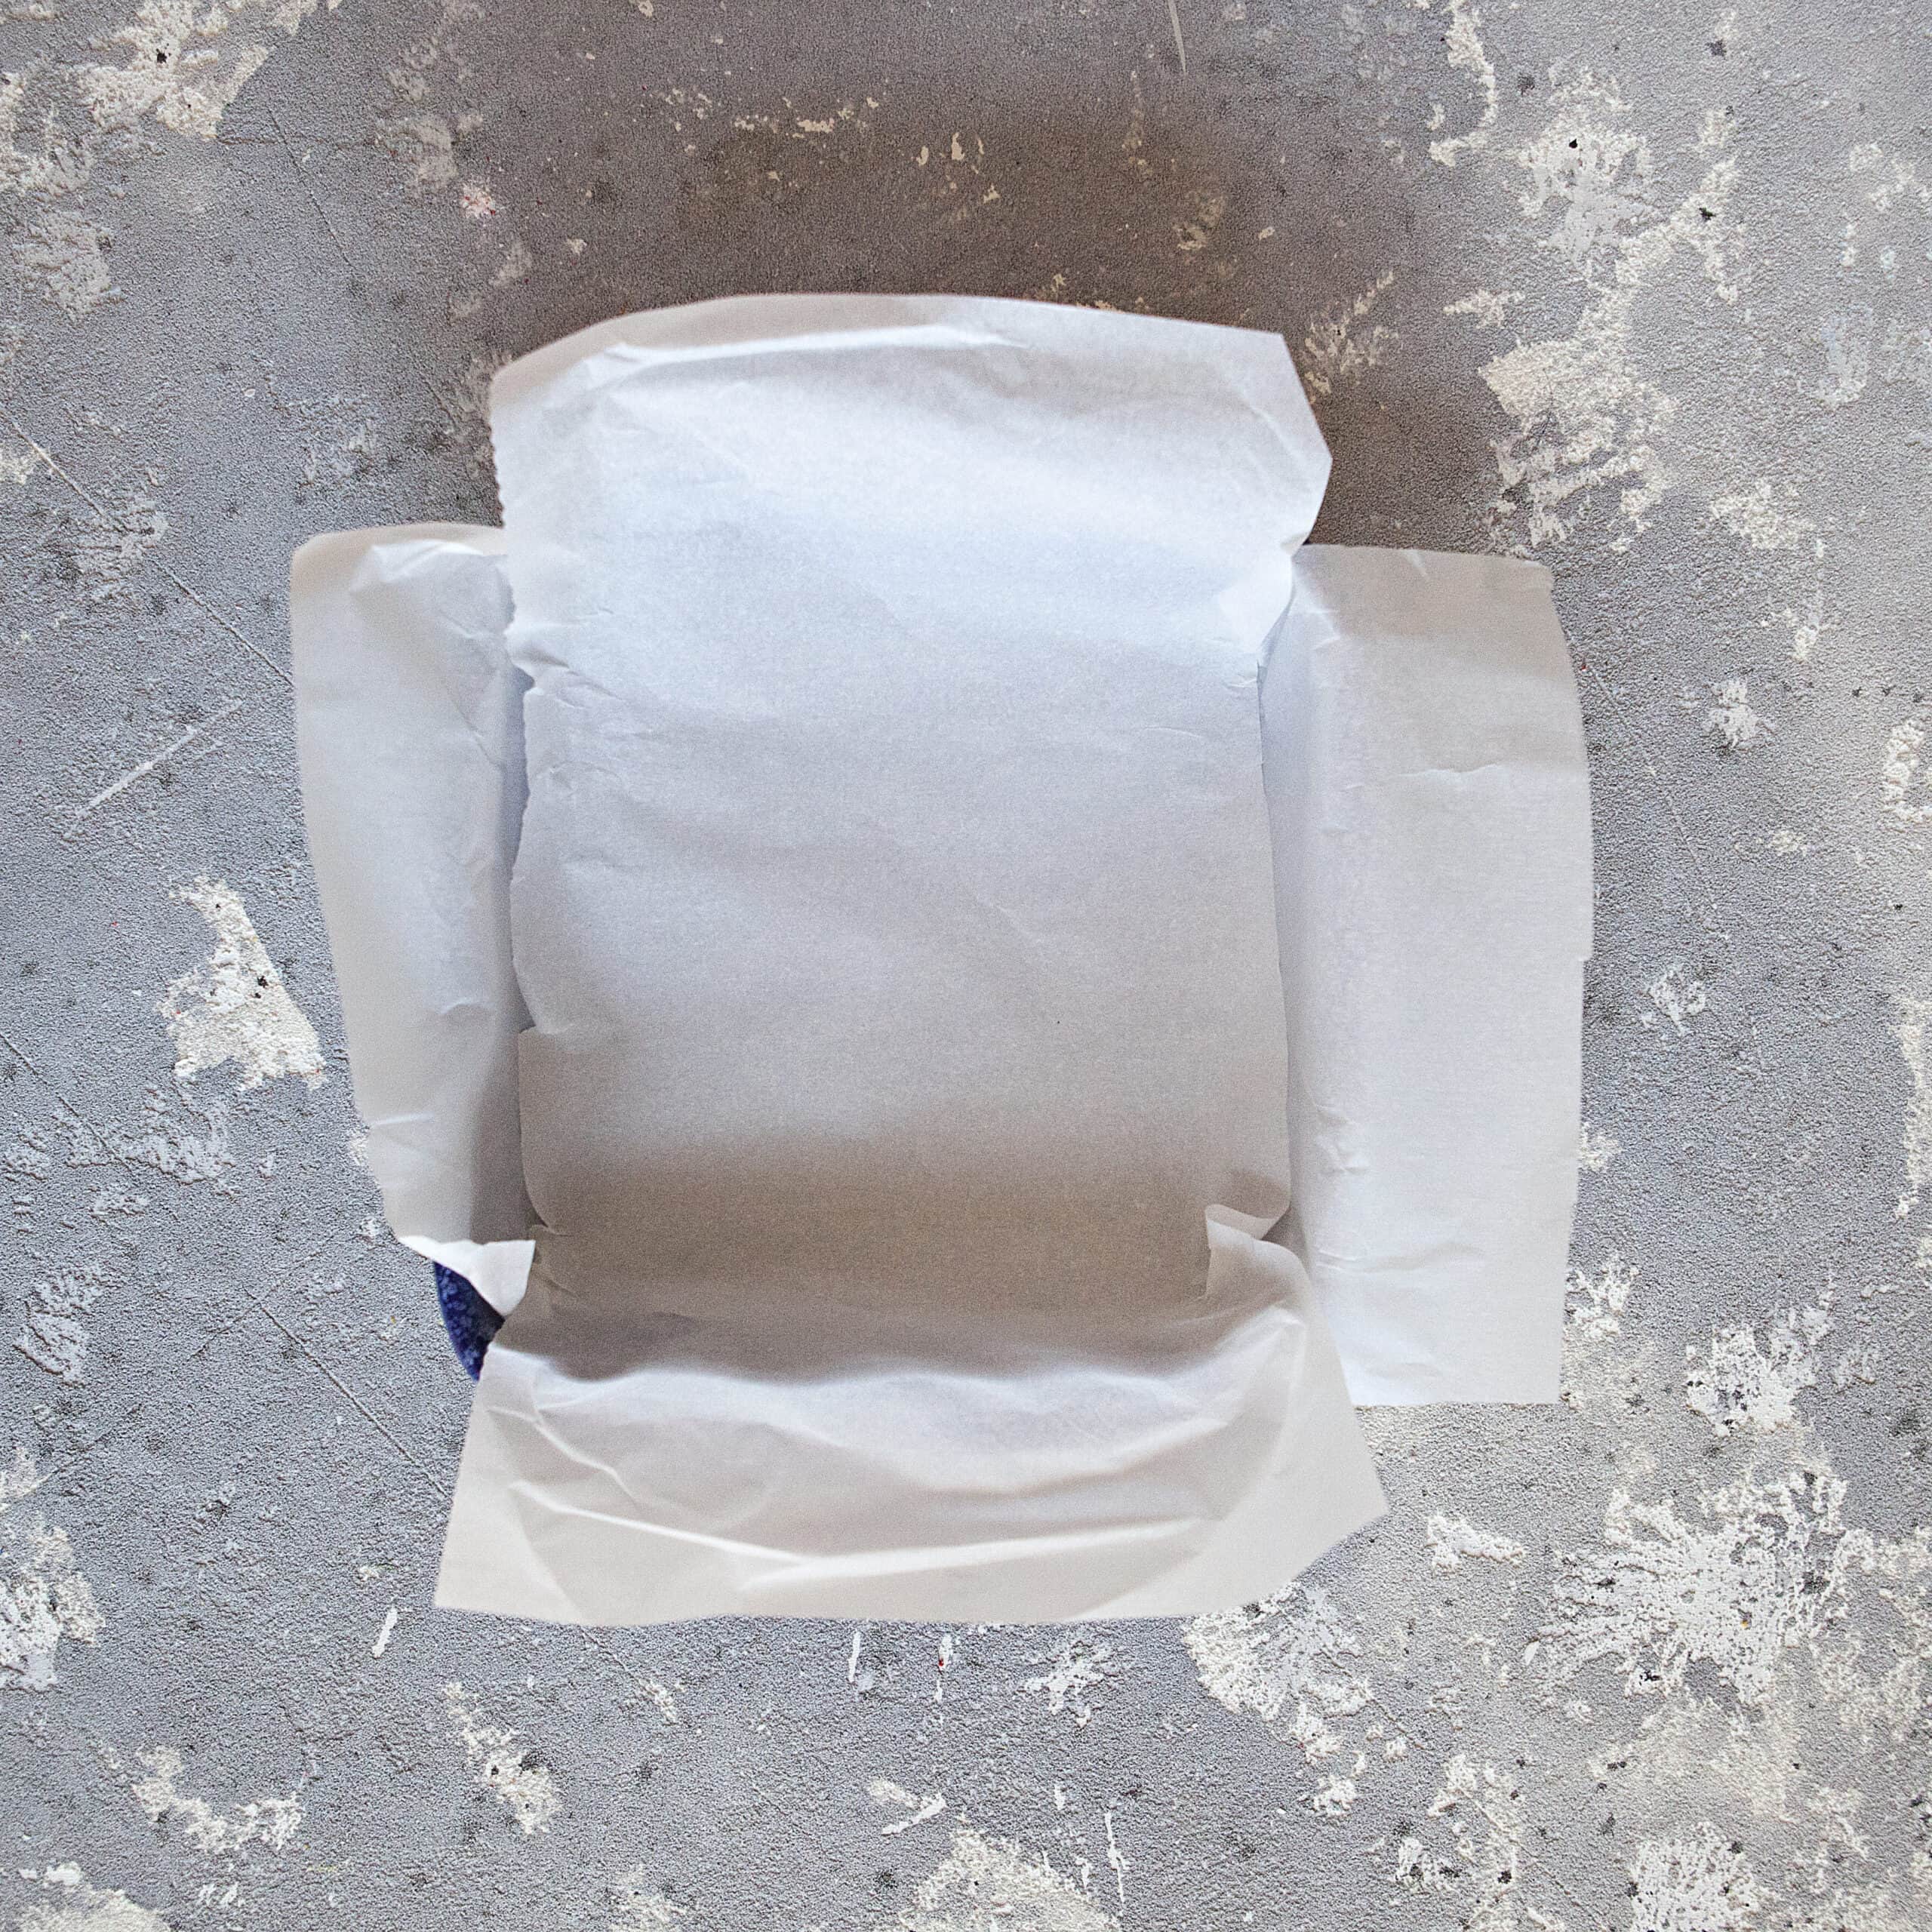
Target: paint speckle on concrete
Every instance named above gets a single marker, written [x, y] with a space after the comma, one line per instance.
[1905, 779]
[269, 1821]
[1732, 719]
[636, 1904]
[1080, 1665]
[985, 1884]
[1759, 517]
[69, 1904]
[1463, 41]
[916, 1809]
[175, 1135]
[517, 1777]
[1587, 417]
[1337, 349]
[1453, 1539]
[233, 1008]
[52, 1333]
[1291, 1659]
[1698, 1883]
[65, 258]
[1911, 1030]
[1742, 1383]
[184, 64]
[44, 1600]
[1677, 996]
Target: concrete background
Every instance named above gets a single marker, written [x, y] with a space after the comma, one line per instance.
[1640, 288]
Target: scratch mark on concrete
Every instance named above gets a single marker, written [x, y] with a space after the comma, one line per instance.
[160, 757]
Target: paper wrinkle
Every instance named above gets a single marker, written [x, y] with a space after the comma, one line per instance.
[788, 1344]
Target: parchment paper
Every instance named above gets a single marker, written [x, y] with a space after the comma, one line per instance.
[1431, 818]
[903, 1105]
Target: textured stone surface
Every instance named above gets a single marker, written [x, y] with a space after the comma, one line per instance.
[1642, 289]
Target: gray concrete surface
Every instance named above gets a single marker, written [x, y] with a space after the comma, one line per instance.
[1641, 288]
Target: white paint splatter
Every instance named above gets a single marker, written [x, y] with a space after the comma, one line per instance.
[52, 1333]
[1598, 1312]
[1596, 1147]
[1485, 1815]
[426, 143]
[1847, 340]
[1807, 627]
[1754, 515]
[884, 1792]
[1080, 1664]
[59, 165]
[637, 1905]
[661, 1700]
[1453, 1538]
[1334, 1796]
[1332, 352]
[861, 1680]
[269, 1821]
[74, 1906]
[234, 1006]
[384, 1635]
[1585, 419]
[1741, 1387]
[1914, 1015]
[1204, 212]
[520, 1779]
[1287, 1657]
[1677, 997]
[1700, 1883]
[181, 65]
[1733, 720]
[1489, 308]
[990, 1885]
[1464, 43]
[67, 257]
[28, 1157]
[160, 1141]
[43, 1597]
[1735, 1590]
[1903, 774]
[1600, 1370]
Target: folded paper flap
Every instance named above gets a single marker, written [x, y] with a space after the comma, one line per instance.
[885, 450]
[409, 724]
[894, 1464]
[1431, 811]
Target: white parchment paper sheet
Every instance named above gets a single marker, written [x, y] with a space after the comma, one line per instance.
[904, 1103]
